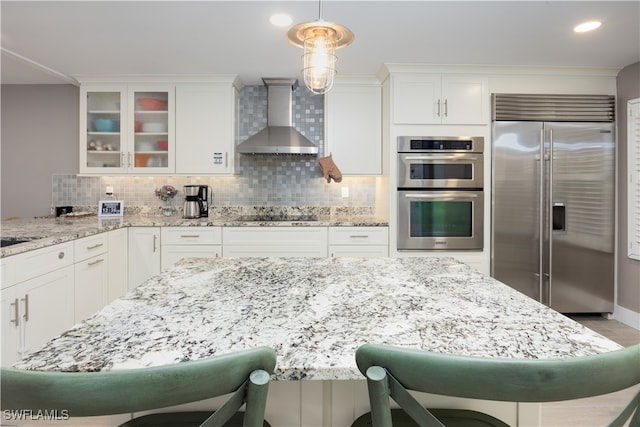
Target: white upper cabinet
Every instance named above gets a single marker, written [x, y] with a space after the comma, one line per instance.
[353, 127]
[206, 129]
[147, 125]
[436, 99]
[127, 129]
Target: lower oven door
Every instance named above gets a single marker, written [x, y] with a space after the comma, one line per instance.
[440, 220]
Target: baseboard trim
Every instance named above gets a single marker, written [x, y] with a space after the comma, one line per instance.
[626, 316]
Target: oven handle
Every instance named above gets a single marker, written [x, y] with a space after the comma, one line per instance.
[456, 195]
[440, 157]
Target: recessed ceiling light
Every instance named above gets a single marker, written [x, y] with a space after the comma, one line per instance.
[587, 26]
[281, 20]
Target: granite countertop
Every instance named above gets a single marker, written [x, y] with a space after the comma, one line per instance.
[314, 312]
[46, 231]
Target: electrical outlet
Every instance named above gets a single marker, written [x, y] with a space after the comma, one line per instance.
[345, 191]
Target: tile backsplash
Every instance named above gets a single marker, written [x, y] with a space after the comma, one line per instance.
[261, 180]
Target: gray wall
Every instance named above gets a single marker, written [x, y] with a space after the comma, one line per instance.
[628, 270]
[39, 138]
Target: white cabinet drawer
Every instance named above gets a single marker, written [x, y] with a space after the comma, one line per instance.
[170, 254]
[292, 250]
[359, 251]
[91, 246]
[274, 236]
[191, 235]
[41, 261]
[7, 272]
[275, 241]
[358, 236]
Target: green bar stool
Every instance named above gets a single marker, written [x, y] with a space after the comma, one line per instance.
[244, 375]
[392, 372]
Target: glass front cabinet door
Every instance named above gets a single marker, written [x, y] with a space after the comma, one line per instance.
[126, 129]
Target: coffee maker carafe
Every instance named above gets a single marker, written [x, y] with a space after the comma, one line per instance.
[191, 203]
[196, 202]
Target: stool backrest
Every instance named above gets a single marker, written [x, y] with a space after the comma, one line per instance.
[245, 374]
[390, 370]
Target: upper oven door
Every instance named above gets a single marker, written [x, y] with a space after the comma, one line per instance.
[440, 170]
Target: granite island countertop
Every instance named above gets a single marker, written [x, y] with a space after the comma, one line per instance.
[46, 231]
[314, 312]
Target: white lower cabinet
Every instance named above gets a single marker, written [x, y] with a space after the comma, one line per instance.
[118, 274]
[274, 241]
[181, 242]
[91, 275]
[359, 241]
[144, 254]
[37, 299]
[35, 311]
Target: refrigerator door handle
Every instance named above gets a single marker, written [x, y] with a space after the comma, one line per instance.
[549, 223]
[541, 197]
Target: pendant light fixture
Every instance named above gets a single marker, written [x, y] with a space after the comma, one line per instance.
[319, 39]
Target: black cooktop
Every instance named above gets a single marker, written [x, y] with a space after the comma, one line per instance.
[277, 218]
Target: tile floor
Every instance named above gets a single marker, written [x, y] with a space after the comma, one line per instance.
[595, 411]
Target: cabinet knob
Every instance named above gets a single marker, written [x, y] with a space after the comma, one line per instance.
[61, 255]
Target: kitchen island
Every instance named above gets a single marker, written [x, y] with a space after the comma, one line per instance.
[315, 312]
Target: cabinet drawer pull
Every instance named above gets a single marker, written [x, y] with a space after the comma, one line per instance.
[16, 309]
[191, 236]
[26, 307]
[95, 246]
[358, 236]
[61, 255]
[98, 261]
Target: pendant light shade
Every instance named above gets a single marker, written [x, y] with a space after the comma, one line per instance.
[319, 39]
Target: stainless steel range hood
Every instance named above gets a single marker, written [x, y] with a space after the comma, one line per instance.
[279, 137]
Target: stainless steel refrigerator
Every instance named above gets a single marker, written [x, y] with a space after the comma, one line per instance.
[553, 194]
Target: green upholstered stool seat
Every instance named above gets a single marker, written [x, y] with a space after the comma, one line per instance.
[183, 419]
[449, 417]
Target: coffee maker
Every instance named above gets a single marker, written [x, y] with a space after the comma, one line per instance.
[196, 201]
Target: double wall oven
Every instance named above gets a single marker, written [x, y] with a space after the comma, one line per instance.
[440, 193]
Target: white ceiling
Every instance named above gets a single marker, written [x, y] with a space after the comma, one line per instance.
[42, 42]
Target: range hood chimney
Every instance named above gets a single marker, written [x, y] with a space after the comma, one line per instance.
[279, 137]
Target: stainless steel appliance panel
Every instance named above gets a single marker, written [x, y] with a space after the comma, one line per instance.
[440, 220]
[440, 170]
[516, 213]
[581, 216]
[435, 144]
[553, 212]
